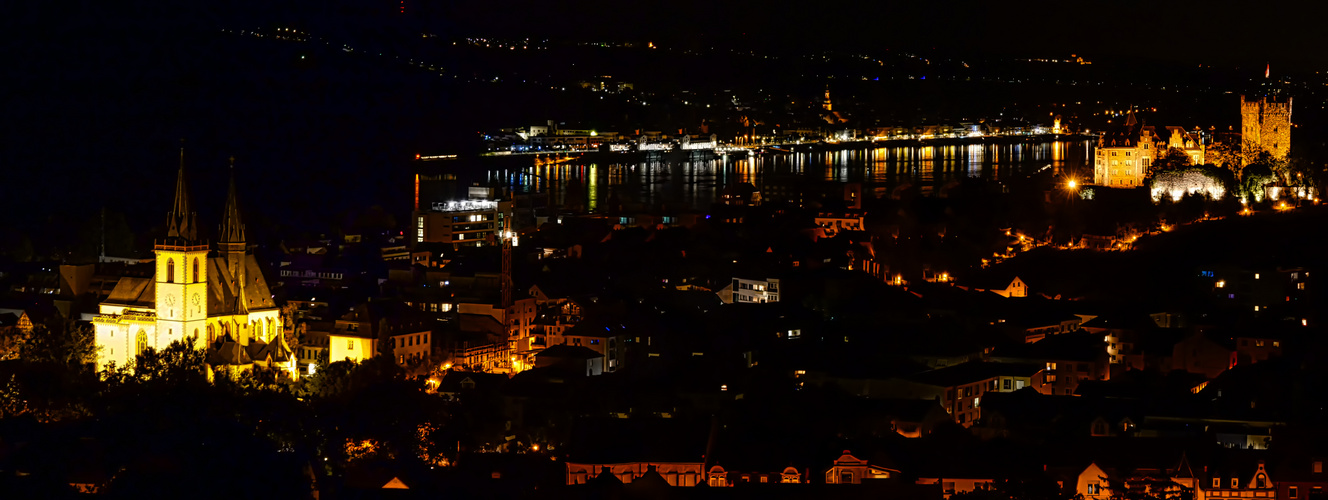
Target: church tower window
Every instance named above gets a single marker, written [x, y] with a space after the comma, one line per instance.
[212, 334]
[170, 270]
[195, 269]
[140, 343]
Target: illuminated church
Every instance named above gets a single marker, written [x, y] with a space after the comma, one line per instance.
[216, 301]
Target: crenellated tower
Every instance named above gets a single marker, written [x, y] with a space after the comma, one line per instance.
[1265, 125]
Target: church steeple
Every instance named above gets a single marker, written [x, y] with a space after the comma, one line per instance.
[232, 247]
[232, 229]
[182, 221]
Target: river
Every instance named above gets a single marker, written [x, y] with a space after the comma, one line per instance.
[681, 183]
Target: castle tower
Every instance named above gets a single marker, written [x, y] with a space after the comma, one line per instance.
[231, 245]
[826, 103]
[181, 276]
[1265, 125]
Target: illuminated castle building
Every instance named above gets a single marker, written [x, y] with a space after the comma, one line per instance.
[1265, 125]
[217, 302]
[1187, 142]
[1123, 155]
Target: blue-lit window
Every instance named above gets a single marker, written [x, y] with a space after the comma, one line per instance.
[1206, 274]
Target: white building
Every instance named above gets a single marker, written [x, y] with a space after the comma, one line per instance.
[745, 291]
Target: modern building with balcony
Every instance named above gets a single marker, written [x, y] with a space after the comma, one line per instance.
[463, 223]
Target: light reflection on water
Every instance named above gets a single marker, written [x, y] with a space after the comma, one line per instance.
[684, 183]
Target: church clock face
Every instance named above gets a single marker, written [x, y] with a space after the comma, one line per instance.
[198, 302]
[170, 301]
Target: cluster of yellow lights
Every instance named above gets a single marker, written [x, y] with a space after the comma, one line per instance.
[424, 443]
[356, 450]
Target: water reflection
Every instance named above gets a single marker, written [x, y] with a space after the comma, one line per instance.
[691, 183]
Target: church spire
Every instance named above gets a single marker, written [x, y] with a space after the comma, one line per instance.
[232, 229]
[232, 247]
[181, 222]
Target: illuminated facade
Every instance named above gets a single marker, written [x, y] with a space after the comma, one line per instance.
[746, 291]
[219, 302]
[1184, 140]
[406, 330]
[685, 474]
[832, 224]
[849, 469]
[463, 223]
[1240, 482]
[1265, 125]
[1123, 156]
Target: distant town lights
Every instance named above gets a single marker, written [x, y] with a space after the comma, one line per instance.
[464, 205]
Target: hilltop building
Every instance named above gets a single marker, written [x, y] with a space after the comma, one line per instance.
[214, 301]
[1265, 125]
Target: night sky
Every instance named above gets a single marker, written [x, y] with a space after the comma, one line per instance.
[98, 94]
